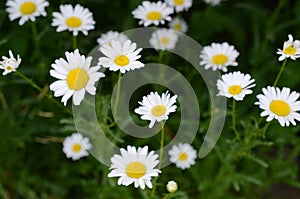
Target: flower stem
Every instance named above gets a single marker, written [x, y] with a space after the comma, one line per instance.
[237, 135]
[34, 85]
[161, 151]
[118, 95]
[279, 73]
[74, 42]
[35, 39]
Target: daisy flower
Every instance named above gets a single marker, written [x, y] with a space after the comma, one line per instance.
[120, 56]
[26, 9]
[213, 2]
[152, 13]
[10, 64]
[134, 166]
[279, 104]
[218, 56]
[73, 19]
[106, 38]
[235, 85]
[183, 155]
[179, 25]
[172, 186]
[75, 76]
[291, 49]
[156, 108]
[163, 39]
[75, 146]
[180, 5]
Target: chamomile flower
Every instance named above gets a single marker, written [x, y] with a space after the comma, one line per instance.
[152, 13]
[218, 56]
[75, 76]
[134, 166]
[213, 2]
[291, 49]
[182, 155]
[172, 186]
[120, 56]
[156, 108]
[106, 38]
[73, 19]
[163, 39]
[26, 9]
[179, 25]
[76, 146]
[279, 104]
[236, 85]
[10, 64]
[180, 5]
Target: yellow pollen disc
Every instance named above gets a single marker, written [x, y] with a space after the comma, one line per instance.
[154, 15]
[76, 147]
[9, 68]
[77, 79]
[177, 26]
[135, 170]
[178, 2]
[235, 89]
[73, 22]
[220, 59]
[280, 108]
[183, 156]
[121, 60]
[159, 110]
[27, 8]
[164, 40]
[291, 50]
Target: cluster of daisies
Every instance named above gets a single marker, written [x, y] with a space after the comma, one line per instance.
[280, 104]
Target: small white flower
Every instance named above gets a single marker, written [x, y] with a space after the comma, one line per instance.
[153, 13]
[120, 56]
[182, 155]
[134, 166]
[76, 146]
[75, 76]
[172, 186]
[10, 64]
[180, 5]
[218, 56]
[213, 2]
[291, 49]
[26, 9]
[106, 38]
[236, 85]
[164, 39]
[179, 25]
[279, 104]
[73, 19]
[156, 108]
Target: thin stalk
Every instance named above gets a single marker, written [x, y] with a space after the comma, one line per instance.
[35, 39]
[279, 73]
[118, 95]
[74, 41]
[237, 135]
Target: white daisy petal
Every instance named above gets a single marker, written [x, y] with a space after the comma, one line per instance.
[291, 49]
[180, 5]
[163, 39]
[182, 155]
[10, 64]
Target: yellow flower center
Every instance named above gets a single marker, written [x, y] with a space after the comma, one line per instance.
[220, 59]
[154, 15]
[136, 170]
[183, 156]
[280, 108]
[291, 50]
[76, 147]
[178, 2]
[9, 68]
[177, 26]
[235, 89]
[164, 40]
[27, 8]
[73, 22]
[159, 110]
[121, 60]
[77, 79]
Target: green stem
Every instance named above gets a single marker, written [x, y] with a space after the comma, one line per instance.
[35, 39]
[34, 85]
[74, 42]
[118, 95]
[279, 73]
[161, 151]
[237, 135]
